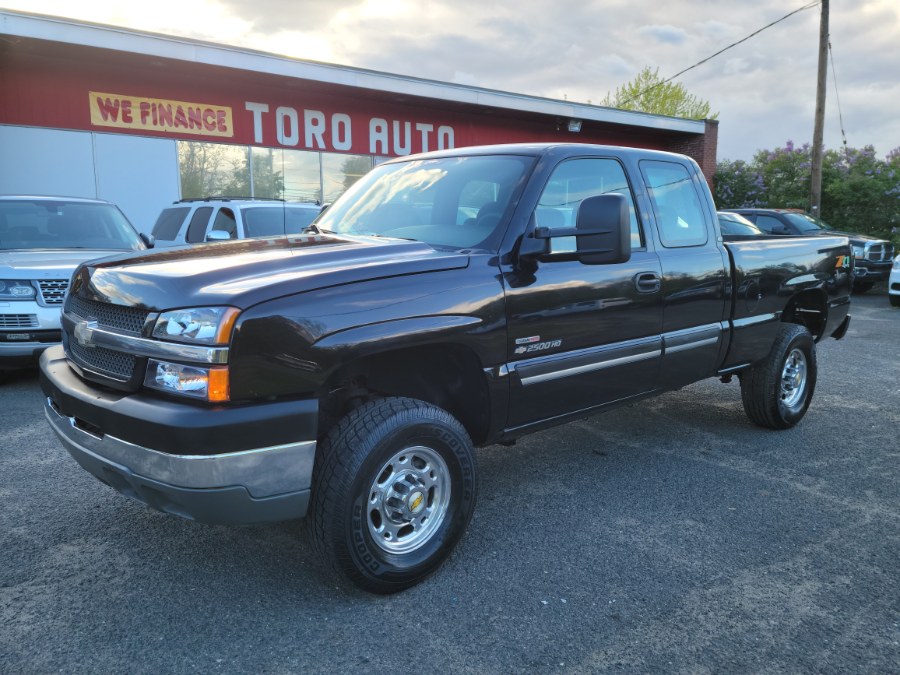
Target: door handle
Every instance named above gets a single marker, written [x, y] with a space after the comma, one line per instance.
[647, 282]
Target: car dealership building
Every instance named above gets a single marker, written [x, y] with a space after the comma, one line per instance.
[143, 119]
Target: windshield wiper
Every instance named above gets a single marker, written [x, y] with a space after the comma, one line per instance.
[312, 228]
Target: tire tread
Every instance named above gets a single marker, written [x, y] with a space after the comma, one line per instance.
[759, 383]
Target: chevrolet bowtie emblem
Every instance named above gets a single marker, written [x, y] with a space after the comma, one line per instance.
[84, 332]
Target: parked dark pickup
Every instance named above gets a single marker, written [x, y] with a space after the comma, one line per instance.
[872, 256]
[447, 300]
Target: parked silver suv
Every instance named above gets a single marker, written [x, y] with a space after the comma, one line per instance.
[192, 221]
[42, 241]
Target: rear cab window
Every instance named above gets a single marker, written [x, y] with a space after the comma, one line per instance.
[679, 212]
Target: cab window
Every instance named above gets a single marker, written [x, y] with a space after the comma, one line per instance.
[679, 213]
[574, 180]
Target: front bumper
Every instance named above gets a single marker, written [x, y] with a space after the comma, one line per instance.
[871, 271]
[26, 330]
[263, 482]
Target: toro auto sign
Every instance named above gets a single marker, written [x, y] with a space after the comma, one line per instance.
[284, 126]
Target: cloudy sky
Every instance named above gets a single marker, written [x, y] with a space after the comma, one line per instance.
[763, 89]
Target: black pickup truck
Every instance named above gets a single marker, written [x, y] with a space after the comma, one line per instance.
[448, 300]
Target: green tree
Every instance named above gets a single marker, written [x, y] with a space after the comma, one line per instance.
[738, 185]
[860, 193]
[786, 176]
[648, 93]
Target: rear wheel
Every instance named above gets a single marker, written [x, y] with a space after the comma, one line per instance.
[393, 491]
[777, 391]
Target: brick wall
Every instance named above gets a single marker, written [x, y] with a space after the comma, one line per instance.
[702, 148]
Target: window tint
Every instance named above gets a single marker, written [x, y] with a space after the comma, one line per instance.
[268, 221]
[297, 220]
[679, 213]
[225, 222]
[806, 223]
[770, 224]
[735, 224]
[573, 181]
[169, 223]
[197, 228]
[59, 224]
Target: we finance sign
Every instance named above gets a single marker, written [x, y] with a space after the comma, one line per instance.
[161, 115]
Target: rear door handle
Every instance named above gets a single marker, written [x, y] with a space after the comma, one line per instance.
[647, 282]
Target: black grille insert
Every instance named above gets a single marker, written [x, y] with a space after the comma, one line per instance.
[117, 365]
[129, 319]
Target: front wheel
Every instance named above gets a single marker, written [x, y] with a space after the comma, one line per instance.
[393, 491]
[777, 391]
[863, 286]
[895, 300]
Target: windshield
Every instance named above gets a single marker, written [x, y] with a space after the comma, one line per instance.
[265, 221]
[806, 223]
[457, 202]
[60, 224]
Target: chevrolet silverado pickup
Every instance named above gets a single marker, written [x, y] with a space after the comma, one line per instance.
[448, 300]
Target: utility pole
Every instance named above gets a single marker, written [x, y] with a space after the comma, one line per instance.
[815, 190]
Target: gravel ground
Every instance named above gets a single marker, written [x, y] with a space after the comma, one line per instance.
[668, 536]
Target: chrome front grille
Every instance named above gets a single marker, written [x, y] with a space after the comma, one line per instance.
[53, 291]
[879, 252]
[113, 364]
[128, 319]
[18, 321]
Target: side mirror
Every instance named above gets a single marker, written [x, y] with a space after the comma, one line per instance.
[602, 234]
[148, 239]
[218, 235]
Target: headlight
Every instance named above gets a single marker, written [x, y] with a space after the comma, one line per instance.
[897, 263]
[207, 384]
[13, 289]
[859, 252]
[197, 325]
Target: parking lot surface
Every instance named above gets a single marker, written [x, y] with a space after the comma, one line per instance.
[668, 536]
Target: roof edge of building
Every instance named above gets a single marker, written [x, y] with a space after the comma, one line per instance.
[75, 32]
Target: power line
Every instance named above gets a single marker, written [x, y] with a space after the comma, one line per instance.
[838, 98]
[709, 58]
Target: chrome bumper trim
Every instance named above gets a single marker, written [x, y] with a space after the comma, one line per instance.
[264, 472]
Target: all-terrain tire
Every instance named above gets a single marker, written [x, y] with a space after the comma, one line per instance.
[394, 488]
[777, 391]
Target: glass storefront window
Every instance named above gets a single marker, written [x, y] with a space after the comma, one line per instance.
[213, 169]
[302, 176]
[268, 172]
[339, 172]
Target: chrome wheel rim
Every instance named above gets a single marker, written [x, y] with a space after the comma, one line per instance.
[408, 500]
[793, 379]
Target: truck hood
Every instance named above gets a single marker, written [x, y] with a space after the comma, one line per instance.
[854, 237]
[245, 272]
[45, 263]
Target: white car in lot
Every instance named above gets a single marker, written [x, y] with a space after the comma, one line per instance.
[894, 283]
[194, 221]
[42, 241]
